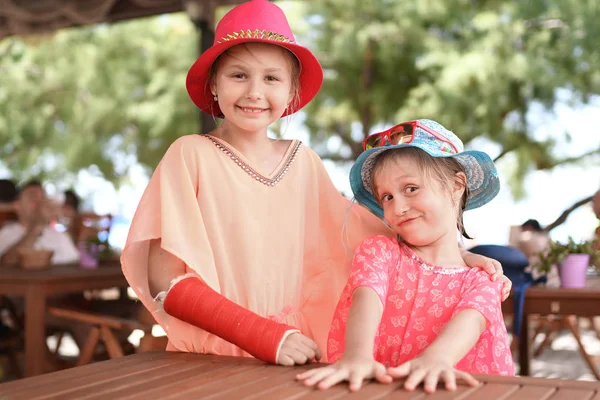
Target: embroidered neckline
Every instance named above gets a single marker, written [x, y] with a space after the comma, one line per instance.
[436, 269]
[251, 171]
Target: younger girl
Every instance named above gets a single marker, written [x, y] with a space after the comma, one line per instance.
[410, 303]
[236, 244]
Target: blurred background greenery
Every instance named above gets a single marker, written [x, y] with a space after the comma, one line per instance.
[107, 98]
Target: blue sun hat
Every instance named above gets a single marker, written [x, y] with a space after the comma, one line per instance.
[482, 177]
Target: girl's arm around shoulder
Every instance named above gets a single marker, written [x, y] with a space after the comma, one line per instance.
[377, 253]
[489, 265]
[379, 245]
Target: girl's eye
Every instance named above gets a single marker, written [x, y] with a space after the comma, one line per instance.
[271, 78]
[411, 189]
[386, 197]
[238, 76]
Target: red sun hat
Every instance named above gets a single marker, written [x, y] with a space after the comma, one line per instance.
[257, 21]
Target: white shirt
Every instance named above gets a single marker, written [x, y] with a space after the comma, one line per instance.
[59, 242]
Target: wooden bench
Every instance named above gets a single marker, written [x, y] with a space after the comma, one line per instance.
[102, 330]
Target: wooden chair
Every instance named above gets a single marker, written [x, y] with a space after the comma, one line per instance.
[88, 226]
[91, 225]
[11, 336]
[103, 328]
[9, 346]
[553, 324]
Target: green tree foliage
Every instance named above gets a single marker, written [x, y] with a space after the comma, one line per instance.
[111, 95]
[105, 95]
[476, 66]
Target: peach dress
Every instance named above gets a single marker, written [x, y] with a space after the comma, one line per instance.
[272, 244]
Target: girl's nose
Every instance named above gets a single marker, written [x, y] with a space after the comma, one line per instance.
[254, 95]
[255, 91]
[400, 206]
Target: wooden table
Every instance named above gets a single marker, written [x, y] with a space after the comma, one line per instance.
[36, 286]
[166, 375]
[544, 301]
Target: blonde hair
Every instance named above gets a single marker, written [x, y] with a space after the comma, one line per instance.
[296, 68]
[443, 169]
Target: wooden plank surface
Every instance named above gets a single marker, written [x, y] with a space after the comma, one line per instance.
[533, 393]
[168, 375]
[572, 394]
[55, 273]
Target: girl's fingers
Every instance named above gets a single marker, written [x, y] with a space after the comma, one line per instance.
[400, 371]
[286, 360]
[321, 373]
[506, 288]
[468, 378]
[308, 342]
[307, 374]
[499, 272]
[381, 375]
[296, 355]
[431, 380]
[307, 351]
[450, 379]
[414, 379]
[312, 345]
[384, 378]
[488, 267]
[318, 354]
[355, 381]
[333, 379]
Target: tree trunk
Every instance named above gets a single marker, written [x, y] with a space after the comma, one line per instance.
[367, 83]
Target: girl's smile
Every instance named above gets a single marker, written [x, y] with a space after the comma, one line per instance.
[252, 110]
[407, 221]
[253, 86]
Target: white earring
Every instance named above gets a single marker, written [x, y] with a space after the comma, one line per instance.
[215, 97]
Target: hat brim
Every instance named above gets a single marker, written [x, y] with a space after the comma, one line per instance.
[482, 176]
[198, 86]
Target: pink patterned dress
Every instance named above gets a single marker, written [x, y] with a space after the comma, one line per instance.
[419, 299]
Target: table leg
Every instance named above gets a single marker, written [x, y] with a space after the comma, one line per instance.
[35, 331]
[571, 323]
[524, 347]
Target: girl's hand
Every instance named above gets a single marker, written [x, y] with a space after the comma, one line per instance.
[492, 267]
[298, 349]
[506, 288]
[429, 369]
[487, 264]
[352, 369]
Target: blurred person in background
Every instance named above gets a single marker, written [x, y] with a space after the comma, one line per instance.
[8, 195]
[533, 240]
[32, 228]
[70, 217]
